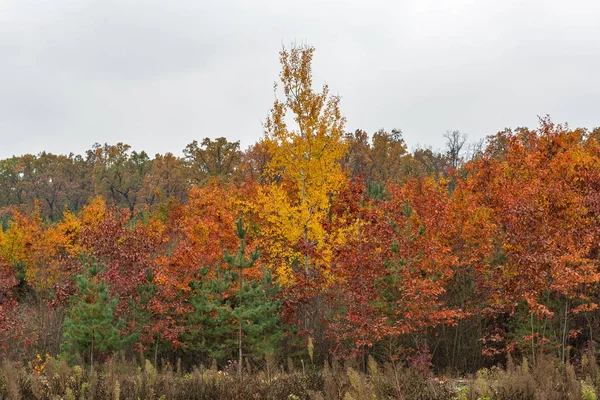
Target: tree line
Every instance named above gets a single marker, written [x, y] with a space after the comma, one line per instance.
[313, 243]
[130, 179]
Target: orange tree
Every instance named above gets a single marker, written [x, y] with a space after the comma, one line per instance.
[533, 192]
[392, 273]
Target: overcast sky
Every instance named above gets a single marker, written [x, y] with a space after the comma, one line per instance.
[159, 74]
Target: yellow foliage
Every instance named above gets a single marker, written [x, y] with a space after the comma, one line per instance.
[93, 213]
[305, 167]
[31, 242]
[68, 231]
[11, 244]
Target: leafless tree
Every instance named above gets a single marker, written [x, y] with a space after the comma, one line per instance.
[455, 141]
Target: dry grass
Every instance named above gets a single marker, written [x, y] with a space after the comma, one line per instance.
[121, 380]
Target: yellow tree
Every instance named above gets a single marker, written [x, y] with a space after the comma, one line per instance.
[304, 136]
[41, 249]
[34, 246]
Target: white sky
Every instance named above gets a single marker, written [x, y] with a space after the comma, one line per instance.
[159, 74]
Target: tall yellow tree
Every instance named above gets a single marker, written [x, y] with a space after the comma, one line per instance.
[304, 135]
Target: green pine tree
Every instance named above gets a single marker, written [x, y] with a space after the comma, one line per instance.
[211, 327]
[91, 326]
[141, 316]
[221, 320]
[240, 262]
[259, 311]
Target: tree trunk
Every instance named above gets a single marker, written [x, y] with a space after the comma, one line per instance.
[240, 327]
[92, 355]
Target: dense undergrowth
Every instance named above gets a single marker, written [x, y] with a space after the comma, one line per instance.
[120, 379]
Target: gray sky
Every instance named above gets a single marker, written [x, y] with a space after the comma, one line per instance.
[159, 74]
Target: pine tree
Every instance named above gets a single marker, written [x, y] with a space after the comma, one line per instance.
[210, 326]
[91, 326]
[239, 261]
[252, 310]
[260, 312]
[142, 315]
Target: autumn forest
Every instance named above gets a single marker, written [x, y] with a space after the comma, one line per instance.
[315, 246]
